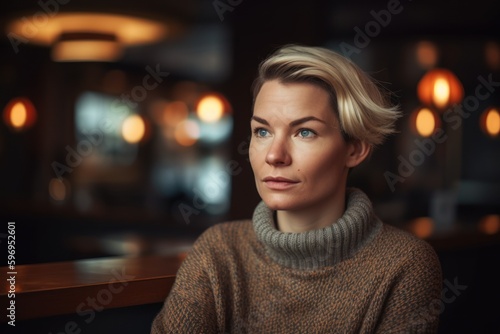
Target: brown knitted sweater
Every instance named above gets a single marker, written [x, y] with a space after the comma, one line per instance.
[356, 276]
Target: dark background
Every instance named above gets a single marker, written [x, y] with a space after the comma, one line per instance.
[129, 213]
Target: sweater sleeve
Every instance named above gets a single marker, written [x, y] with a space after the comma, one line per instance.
[414, 303]
[189, 307]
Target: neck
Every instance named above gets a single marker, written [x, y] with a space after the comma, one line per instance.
[319, 248]
[313, 218]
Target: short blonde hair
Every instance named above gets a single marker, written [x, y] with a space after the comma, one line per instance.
[362, 107]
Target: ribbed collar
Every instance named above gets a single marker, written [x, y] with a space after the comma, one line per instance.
[323, 247]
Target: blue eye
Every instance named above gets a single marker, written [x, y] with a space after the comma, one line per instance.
[260, 132]
[305, 133]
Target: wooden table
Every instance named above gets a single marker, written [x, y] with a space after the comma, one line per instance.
[86, 286]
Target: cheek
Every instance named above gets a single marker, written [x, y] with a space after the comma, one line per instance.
[324, 165]
[251, 152]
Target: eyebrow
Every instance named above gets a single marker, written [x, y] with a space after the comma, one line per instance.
[292, 123]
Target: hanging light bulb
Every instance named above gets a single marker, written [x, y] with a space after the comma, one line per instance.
[424, 122]
[439, 89]
[19, 114]
[490, 122]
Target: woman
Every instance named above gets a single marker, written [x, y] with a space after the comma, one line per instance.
[314, 258]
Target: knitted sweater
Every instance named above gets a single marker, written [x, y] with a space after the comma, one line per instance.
[356, 276]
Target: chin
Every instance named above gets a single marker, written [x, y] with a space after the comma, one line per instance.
[279, 203]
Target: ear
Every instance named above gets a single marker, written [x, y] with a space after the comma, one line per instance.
[357, 151]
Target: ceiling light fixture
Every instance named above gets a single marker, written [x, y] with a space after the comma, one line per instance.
[89, 36]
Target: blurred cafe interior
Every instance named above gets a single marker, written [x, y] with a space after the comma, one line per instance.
[125, 131]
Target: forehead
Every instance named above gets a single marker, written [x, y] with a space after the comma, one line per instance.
[295, 99]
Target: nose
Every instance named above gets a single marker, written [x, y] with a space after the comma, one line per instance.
[278, 153]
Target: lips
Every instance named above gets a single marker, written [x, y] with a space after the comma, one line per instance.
[279, 183]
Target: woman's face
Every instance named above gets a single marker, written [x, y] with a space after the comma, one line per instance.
[299, 158]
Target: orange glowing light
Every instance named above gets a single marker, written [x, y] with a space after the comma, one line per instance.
[58, 189]
[492, 55]
[440, 88]
[422, 227]
[427, 54]
[86, 50]
[490, 122]
[424, 122]
[187, 133]
[174, 113]
[490, 224]
[19, 114]
[441, 95]
[211, 107]
[133, 129]
[88, 29]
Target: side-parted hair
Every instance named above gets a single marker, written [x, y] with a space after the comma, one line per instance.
[362, 107]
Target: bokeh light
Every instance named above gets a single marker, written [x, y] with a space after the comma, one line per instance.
[492, 55]
[427, 54]
[422, 227]
[424, 122]
[490, 224]
[439, 89]
[441, 94]
[210, 108]
[58, 189]
[174, 113]
[490, 122]
[133, 129]
[19, 114]
[187, 133]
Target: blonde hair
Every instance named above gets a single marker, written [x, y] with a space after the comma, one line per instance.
[362, 107]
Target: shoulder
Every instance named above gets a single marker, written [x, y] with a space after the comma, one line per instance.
[227, 230]
[223, 236]
[217, 245]
[403, 251]
[413, 272]
[394, 239]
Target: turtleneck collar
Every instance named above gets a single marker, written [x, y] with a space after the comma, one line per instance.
[322, 247]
